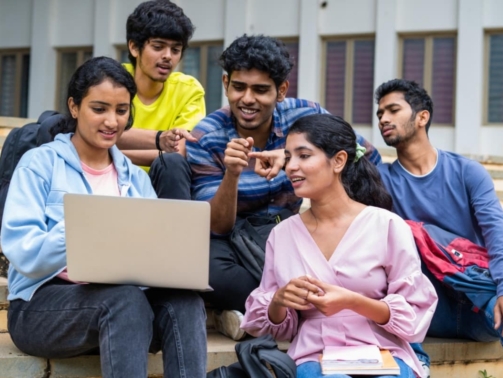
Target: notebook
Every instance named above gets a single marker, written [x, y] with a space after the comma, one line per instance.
[358, 360]
[138, 241]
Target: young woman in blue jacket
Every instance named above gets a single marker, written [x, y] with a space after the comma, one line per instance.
[49, 315]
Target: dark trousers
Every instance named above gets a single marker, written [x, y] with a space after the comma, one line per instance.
[170, 175]
[231, 282]
[122, 322]
[455, 318]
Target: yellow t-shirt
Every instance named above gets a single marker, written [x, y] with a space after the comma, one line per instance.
[180, 105]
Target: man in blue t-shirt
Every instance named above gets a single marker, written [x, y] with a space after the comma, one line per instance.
[449, 191]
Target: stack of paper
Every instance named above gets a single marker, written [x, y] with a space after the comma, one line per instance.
[358, 360]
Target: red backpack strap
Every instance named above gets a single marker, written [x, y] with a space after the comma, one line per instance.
[434, 258]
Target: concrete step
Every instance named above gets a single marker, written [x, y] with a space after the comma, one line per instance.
[15, 364]
[453, 358]
[3, 291]
[4, 304]
[494, 169]
[450, 358]
[3, 321]
[498, 186]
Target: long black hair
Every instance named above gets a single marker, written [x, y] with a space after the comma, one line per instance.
[94, 72]
[360, 179]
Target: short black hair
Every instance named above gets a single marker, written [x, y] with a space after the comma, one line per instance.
[91, 73]
[263, 53]
[161, 19]
[414, 95]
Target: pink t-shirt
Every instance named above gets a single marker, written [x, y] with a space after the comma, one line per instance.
[103, 182]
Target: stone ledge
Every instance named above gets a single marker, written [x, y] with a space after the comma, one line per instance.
[12, 122]
[390, 152]
[450, 358]
[448, 351]
[3, 291]
[3, 321]
[15, 364]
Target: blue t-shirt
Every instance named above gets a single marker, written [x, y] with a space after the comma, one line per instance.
[457, 195]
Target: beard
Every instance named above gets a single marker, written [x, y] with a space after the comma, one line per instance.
[409, 134]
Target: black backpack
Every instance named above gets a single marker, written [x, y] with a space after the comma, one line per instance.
[249, 237]
[18, 142]
[258, 358]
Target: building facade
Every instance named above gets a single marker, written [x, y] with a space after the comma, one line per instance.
[343, 50]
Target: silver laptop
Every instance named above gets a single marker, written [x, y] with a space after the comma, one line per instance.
[139, 241]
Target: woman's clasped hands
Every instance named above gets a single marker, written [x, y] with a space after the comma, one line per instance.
[304, 292]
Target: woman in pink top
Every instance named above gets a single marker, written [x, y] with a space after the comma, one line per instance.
[346, 271]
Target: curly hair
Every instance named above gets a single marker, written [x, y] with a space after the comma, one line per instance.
[360, 179]
[161, 19]
[414, 95]
[90, 74]
[263, 53]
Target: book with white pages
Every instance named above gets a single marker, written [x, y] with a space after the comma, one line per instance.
[358, 360]
[368, 356]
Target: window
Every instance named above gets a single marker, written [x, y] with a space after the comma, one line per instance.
[293, 78]
[14, 79]
[201, 61]
[494, 86]
[122, 54]
[68, 61]
[349, 79]
[431, 62]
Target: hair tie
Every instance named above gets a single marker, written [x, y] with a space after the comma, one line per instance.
[360, 151]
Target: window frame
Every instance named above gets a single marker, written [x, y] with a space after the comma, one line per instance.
[118, 52]
[80, 50]
[203, 61]
[485, 99]
[286, 41]
[428, 64]
[203, 58]
[19, 53]
[349, 73]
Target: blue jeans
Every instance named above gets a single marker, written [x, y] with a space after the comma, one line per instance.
[312, 369]
[454, 318]
[121, 322]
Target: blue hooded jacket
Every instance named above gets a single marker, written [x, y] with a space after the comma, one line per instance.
[33, 227]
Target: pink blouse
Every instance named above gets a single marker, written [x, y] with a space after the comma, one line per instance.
[377, 258]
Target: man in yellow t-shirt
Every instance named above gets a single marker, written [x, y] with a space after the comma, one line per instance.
[168, 104]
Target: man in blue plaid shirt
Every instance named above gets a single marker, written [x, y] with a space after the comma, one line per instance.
[236, 163]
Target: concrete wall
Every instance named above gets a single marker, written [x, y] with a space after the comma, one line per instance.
[15, 23]
[46, 25]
